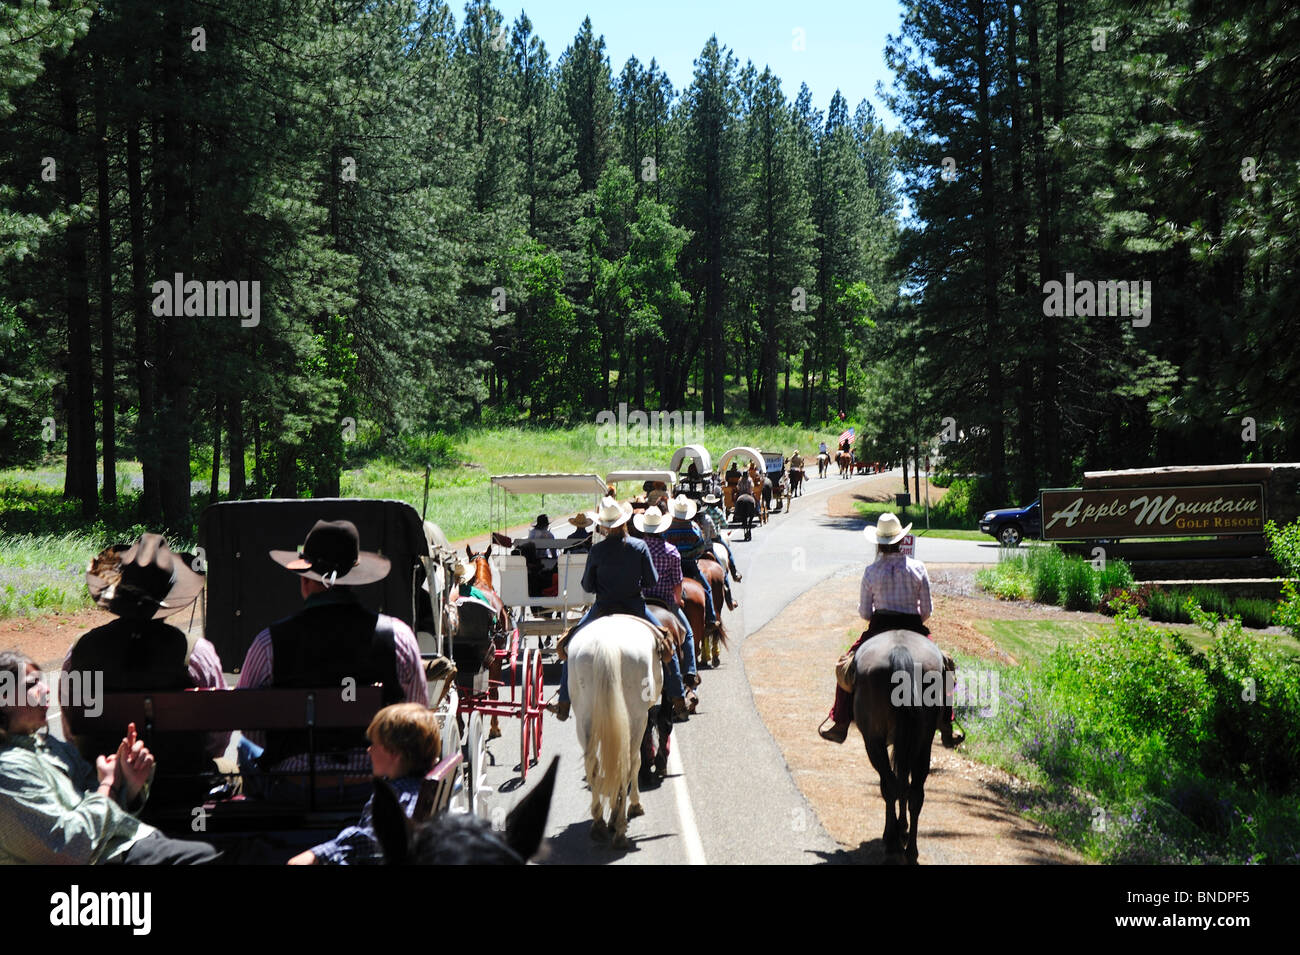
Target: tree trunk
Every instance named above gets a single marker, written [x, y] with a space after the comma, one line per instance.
[107, 389]
[996, 421]
[174, 430]
[235, 430]
[146, 442]
[215, 488]
[80, 475]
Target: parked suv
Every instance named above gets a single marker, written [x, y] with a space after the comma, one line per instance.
[1010, 525]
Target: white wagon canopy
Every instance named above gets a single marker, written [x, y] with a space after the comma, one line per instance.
[697, 451]
[752, 453]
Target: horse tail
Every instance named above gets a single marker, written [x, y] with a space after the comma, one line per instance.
[907, 716]
[607, 757]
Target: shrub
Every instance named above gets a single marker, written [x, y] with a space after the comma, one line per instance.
[1115, 574]
[1079, 584]
[1047, 566]
[1254, 612]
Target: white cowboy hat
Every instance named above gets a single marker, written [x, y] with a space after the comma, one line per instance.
[651, 521]
[613, 514]
[582, 519]
[888, 530]
[683, 508]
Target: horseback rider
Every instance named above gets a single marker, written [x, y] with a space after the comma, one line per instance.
[669, 565]
[690, 545]
[796, 460]
[618, 569]
[821, 448]
[895, 595]
[713, 526]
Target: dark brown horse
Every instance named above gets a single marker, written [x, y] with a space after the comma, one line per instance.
[898, 698]
[845, 461]
[796, 482]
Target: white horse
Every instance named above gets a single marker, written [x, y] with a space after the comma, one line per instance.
[615, 676]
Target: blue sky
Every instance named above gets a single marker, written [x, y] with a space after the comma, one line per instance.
[844, 42]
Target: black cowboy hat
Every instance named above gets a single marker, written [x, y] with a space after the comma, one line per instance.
[332, 554]
[142, 581]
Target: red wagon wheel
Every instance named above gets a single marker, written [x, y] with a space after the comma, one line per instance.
[526, 704]
[539, 693]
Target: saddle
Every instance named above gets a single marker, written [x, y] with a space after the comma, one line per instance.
[666, 642]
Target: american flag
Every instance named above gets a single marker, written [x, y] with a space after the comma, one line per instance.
[847, 434]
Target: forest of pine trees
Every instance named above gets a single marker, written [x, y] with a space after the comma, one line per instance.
[449, 223]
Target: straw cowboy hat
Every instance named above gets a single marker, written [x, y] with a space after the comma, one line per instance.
[144, 580]
[683, 508]
[888, 530]
[582, 519]
[612, 514]
[653, 521]
[332, 554]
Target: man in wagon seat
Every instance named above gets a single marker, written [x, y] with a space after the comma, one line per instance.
[895, 595]
[142, 584]
[332, 639]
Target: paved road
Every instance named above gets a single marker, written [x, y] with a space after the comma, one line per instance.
[729, 797]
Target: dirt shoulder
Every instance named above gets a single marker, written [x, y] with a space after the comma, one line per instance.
[966, 819]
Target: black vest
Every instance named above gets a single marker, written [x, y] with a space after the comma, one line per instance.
[322, 646]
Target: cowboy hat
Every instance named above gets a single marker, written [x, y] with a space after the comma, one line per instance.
[143, 580]
[888, 530]
[612, 514]
[332, 554]
[682, 507]
[582, 519]
[652, 521]
[542, 521]
[710, 498]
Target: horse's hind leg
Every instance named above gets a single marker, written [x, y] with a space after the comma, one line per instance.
[878, 753]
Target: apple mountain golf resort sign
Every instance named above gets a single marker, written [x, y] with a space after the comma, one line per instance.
[1208, 510]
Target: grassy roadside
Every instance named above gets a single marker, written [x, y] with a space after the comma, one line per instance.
[942, 524]
[45, 544]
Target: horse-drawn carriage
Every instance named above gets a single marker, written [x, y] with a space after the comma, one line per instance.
[699, 468]
[243, 595]
[539, 583]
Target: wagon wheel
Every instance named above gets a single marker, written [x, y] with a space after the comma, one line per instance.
[478, 788]
[452, 743]
[539, 693]
[526, 703]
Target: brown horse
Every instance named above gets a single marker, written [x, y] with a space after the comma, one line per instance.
[898, 698]
[707, 642]
[484, 581]
[845, 461]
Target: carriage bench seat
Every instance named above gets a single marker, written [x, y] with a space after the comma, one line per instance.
[209, 710]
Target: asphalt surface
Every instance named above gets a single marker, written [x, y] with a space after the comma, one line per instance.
[729, 796]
